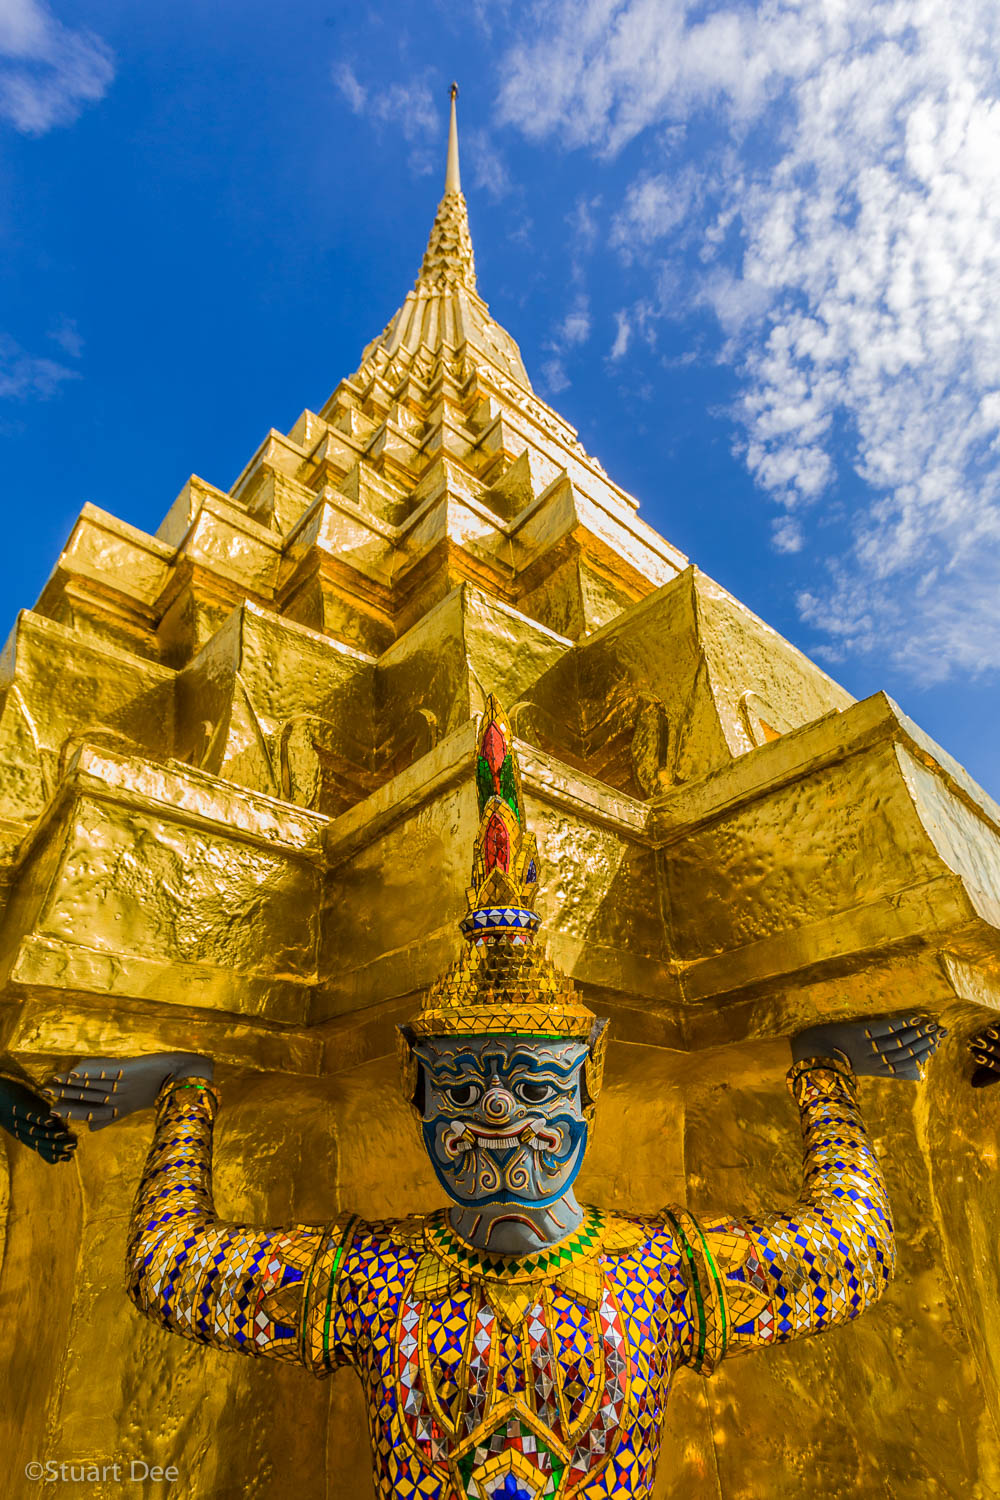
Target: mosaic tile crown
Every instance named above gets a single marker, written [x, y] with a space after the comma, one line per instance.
[502, 982]
[503, 986]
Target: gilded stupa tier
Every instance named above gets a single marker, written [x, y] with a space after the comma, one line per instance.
[434, 533]
[235, 809]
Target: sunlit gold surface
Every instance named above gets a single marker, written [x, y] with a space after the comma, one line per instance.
[234, 816]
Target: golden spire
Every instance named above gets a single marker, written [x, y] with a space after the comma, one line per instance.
[444, 310]
[448, 259]
[452, 177]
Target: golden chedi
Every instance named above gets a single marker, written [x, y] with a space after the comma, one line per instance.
[235, 813]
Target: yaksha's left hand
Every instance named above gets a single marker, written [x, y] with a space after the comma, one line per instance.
[895, 1046]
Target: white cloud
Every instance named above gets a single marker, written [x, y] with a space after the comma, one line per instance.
[347, 82]
[846, 221]
[490, 172]
[68, 336]
[570, 334]
[554, 376]
[787, 535]
[584, 224]
[48, 72]
[409, 108]
[656, 204]
[23, 375]
[623, 335]
[575, 327]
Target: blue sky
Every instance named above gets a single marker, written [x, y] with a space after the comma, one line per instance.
[751, 251]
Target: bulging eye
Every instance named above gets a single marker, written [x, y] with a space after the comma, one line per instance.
[461, 1095]
[534, 1093]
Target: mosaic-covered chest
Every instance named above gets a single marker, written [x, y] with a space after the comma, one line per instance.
[501, 1379]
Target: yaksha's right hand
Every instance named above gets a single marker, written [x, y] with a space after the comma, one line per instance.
[102, 1090]
[27, 1115]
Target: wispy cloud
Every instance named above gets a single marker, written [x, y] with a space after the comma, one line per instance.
[409, 108]
[353, 91]
[554, 375]
[25, 375]
[490, 172]
[48, 72]
[575, 326]
[656, 204]
[623, 335]
[843, 224]
[569, 334]
[583, 223]
[68, 336]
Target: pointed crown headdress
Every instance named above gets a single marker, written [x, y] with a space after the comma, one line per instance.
[504, 983]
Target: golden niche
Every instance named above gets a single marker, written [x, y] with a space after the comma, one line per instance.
[236, 812]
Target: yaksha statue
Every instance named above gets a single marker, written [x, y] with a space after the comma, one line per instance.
[518, 1345]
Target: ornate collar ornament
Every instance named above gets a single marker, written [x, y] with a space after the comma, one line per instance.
[504, 983]
[510, 1284]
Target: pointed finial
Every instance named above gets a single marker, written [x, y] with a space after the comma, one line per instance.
[452, 180]
[448, 259]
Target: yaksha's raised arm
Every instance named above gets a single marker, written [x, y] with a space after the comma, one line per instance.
[229, 1285]
[762, 1281]
[233, 1286]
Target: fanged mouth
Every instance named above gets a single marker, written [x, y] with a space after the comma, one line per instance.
[462, 1137]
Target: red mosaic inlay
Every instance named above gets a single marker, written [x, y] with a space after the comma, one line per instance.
[494, 750]
[496, 845]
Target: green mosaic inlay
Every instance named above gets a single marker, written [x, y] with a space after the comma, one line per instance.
[583, 1240]
[714, 1270]
[338, 1261]
[696, 1287]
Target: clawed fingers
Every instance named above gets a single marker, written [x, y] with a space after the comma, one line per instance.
[907, 1062]
[985, 1049]
[55, 1151]
[75, 1100]
[83, 1085]
[29, 1123]
[107, 1076]
[77, 1094]
[887, 1028]
[100, 1073]
[903, 1036]
[903, 1044]
[45, 1134]
[904, 1054]
[95, 1115]
[35, 1135]
[912, 1068]
[920, 1047]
